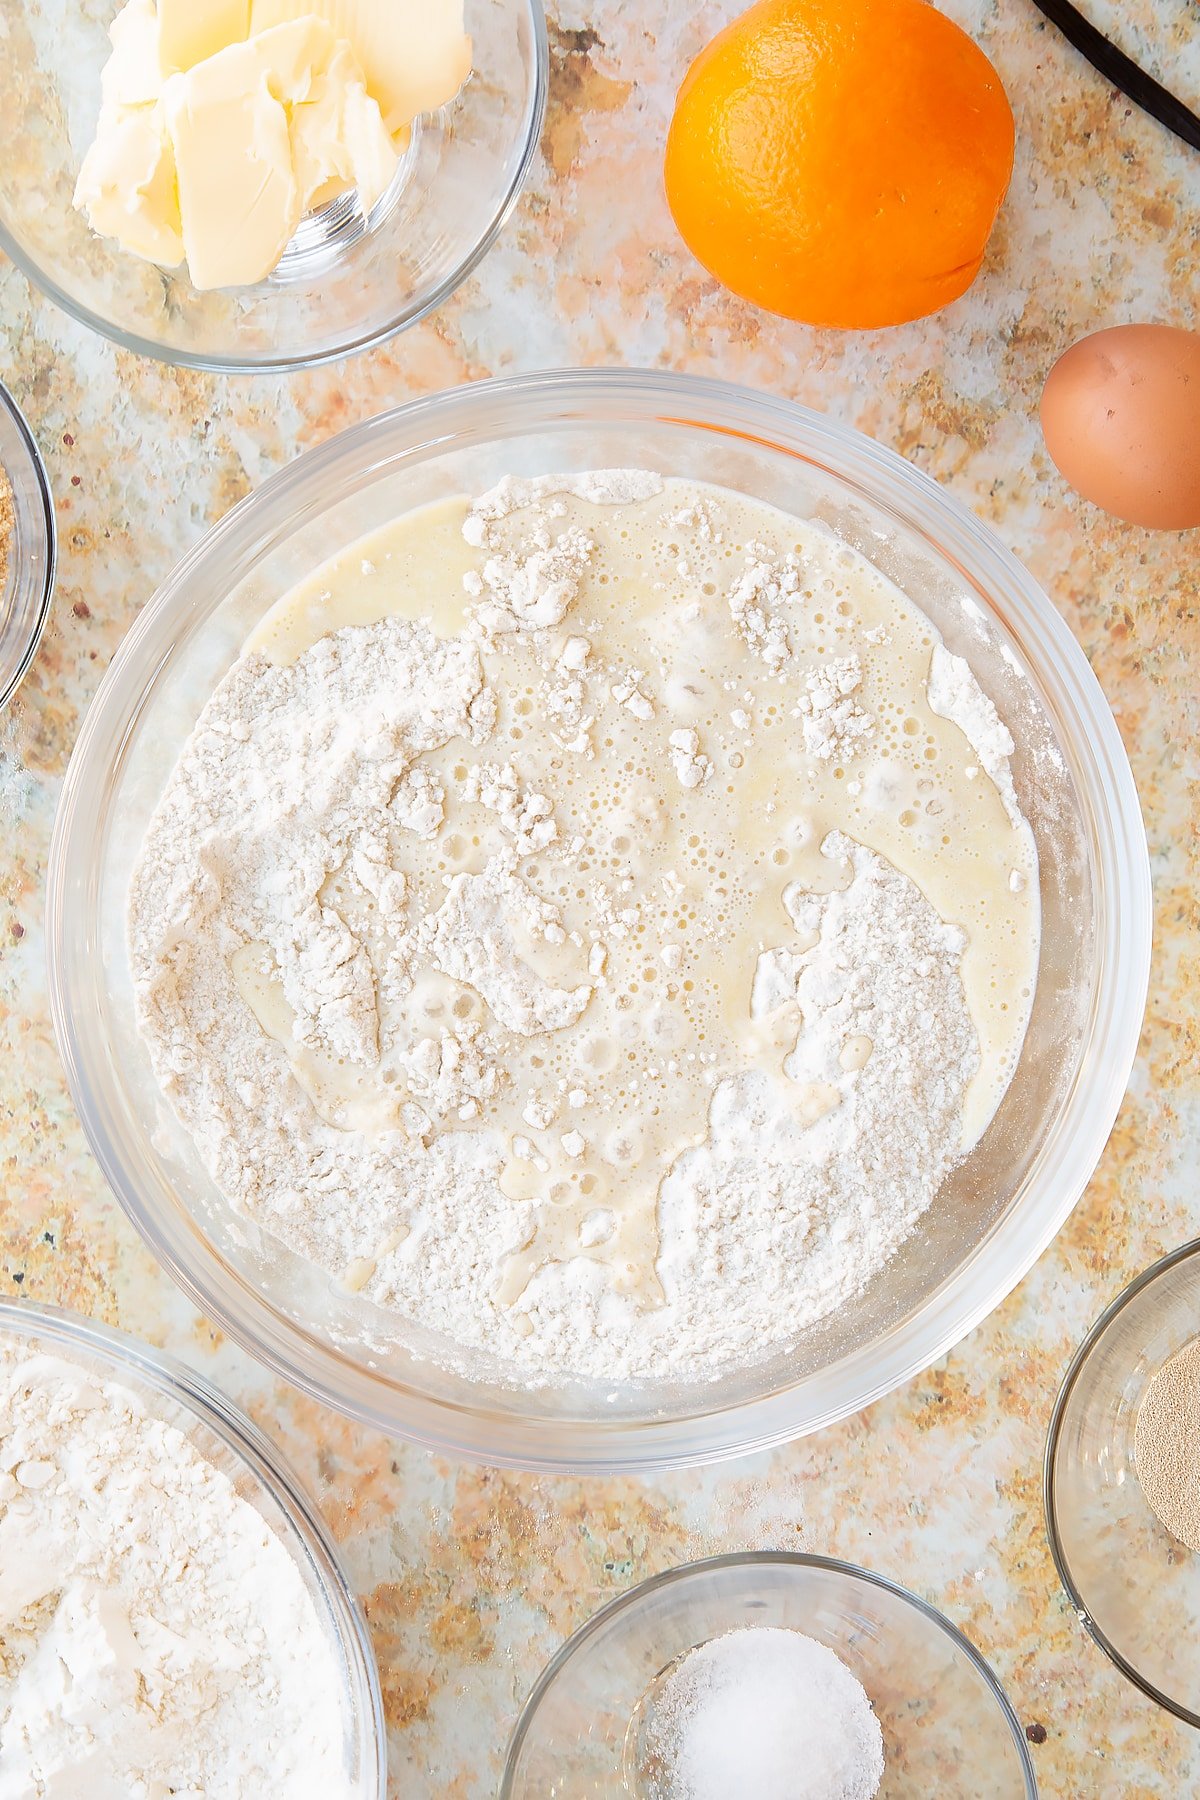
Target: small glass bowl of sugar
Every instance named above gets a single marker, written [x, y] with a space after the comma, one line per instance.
[770, 1674]
[1122, 1482]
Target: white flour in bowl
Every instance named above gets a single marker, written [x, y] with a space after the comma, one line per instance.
[578, 924]
[155, 1637]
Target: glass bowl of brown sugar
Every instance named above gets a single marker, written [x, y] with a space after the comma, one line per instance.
[1122, 1482]
[28, 545]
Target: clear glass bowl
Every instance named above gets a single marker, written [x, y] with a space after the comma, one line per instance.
[341, 286]
[997, 1212]
[26, 586]
[1135, 1587]
[226, 1438]
[947, 1727]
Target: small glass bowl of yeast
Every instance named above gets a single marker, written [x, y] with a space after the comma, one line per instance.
[216, 1431]
[345, 282]
[1133, 1583]
[999, 1207]
[588, 1727]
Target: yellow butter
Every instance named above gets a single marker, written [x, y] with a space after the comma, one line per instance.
[126, 183]
[190, 30]
[131, 76]
[220, 157]
[127, 186]
[414, 53]
[238, 198]
[338, 137]
[259, 130]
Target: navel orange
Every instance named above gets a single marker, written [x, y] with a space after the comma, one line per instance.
[840, 161]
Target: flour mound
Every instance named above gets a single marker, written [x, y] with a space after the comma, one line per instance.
[955, 694]
[472, 938]
[770, 1193]
[155, 1636]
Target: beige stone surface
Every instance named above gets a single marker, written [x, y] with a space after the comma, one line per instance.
[472, 1578]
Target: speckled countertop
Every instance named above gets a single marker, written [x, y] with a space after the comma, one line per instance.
[472, 1578]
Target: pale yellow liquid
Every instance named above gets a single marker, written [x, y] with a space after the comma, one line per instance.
[693, 878]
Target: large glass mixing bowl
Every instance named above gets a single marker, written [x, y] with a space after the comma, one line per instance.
[345, 282]
[996, 1213]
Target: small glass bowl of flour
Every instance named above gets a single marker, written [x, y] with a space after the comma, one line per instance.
[804, 1660]
[173, 1619]
[1122, 1477]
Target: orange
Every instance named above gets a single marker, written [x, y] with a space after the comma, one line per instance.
[840, 161]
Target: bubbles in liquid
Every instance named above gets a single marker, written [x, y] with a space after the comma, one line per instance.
[732, 844]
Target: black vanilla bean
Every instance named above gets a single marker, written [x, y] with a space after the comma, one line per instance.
[1122, 71]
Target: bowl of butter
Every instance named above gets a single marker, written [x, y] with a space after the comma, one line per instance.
[263, 184]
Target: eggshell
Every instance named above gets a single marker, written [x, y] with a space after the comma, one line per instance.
[1121, 417]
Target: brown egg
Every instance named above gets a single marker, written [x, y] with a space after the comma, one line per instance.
[1121, 415]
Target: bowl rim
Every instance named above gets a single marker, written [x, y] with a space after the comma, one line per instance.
[49, 522]
[1148, 1277]
[408, 315]
[683, 1572]
[888, 484]
[187, 1388]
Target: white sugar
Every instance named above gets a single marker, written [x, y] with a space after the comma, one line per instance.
[765, 1712]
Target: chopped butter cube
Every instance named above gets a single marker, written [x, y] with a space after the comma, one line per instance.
[262, 131]
[127, 188]
[190, 30]
[132, 76]
[238, 197]
[338, 137]
[414, 54]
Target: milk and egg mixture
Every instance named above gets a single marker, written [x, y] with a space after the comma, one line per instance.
[591, 921]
